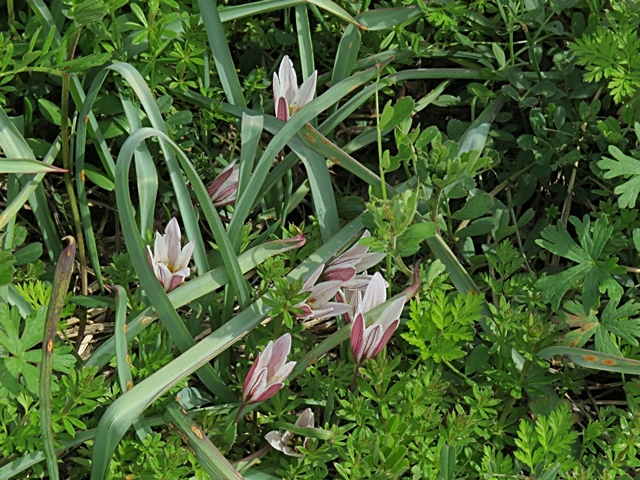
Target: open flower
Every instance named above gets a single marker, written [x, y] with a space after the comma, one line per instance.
[352, 262]
[224, 187]
[286, 442]
[317, 304]
[366, 342]
[268, 372]
[168, 261]
[287, 98]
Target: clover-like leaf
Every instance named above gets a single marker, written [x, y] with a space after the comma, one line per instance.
[595, 273]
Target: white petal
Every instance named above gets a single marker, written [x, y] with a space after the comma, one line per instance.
[306, 93]
[275, 440]
[391, 313]
[172, 240]
[160, 249]
[185, 256]
[311, 281]
[276, 88]
[288, 79]
[375, 294]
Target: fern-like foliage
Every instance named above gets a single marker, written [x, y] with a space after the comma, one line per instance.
[612, 52]
[440, 326]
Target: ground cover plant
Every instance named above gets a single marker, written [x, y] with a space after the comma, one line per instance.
[311, 239]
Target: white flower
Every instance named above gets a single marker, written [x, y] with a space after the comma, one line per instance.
[287, 98]
[168, 261]
[285, 442]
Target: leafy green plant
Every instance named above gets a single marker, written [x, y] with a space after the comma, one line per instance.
[595, 273]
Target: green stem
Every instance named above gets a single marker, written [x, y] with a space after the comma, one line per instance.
[66, 163]
[459, 373]
[379, 133]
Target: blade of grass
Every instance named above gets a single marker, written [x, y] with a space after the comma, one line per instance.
[61, 279]
[221, 53]
[13, 145]
[191, 291]
[593, 359]
[384, 18]
[30, 185]
[77, 93]
[347, 54]
[318, 143]
[123, 362]
[252, 126]
[304, 40]
[121, 414]
[210, 458]
[338, 11]
[236, 12]
[26, 166]
[324, 201]
[146, 174]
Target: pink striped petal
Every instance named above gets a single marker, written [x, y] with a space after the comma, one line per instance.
[281, 349]
[257, 385]
[343, 272]
[357, 338]
[372, 336]
[386, 336]
[266, 394]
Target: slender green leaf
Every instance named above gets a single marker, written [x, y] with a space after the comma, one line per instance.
[336, 10]
[27, 165]
[210, 458]
[13, 145]
[592, 359]
[383, 18]
[61, 280]
[347, 54]
[252, 126]
[304, 40]
[221, 53]
[30, 185]
[123, 361]
[146, 174]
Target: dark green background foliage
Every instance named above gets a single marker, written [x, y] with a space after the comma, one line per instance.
[492, 145]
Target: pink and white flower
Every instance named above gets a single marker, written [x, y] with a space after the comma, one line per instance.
[367, 342]
[287, 98]
[318, 304]
[351, 263]
[224, 187]
[268, 372]
[285, 442]
[169, 262]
